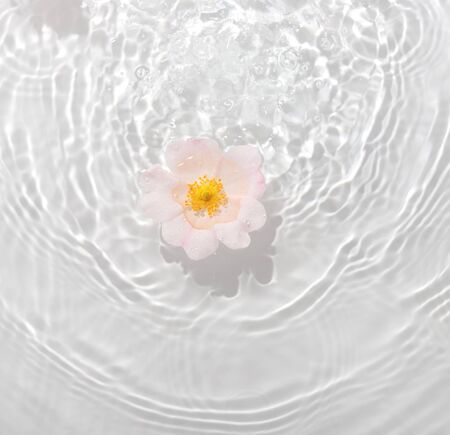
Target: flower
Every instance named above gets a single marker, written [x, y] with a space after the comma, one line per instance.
[205, 196]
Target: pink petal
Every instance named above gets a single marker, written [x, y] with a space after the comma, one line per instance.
[252, 214]
[159, 206]
[232, 235]
[257, 184]
[234, 178]
[155, 178]
[157, 201]
[179, 193]
[192, 158]
[226, 214]
[200, 244]
[176, 231]
[238, 182]
[246, 156]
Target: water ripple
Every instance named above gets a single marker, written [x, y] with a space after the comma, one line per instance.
[334, 320]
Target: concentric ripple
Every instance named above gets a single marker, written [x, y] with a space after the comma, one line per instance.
[334, 321]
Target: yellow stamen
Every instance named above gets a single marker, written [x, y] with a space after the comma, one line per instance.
[206, 195]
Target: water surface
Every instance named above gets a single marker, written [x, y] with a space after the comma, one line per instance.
[335, 320]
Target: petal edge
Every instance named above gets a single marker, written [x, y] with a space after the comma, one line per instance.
[252, 214]
[200, 244]
[232, 235]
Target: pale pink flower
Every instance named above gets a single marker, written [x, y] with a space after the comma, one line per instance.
[205, 196]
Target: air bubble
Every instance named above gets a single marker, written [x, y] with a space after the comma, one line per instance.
[289, 59]
[317, 119]
[305, 67]
[228, 103]
[327, 42]
[141, 72]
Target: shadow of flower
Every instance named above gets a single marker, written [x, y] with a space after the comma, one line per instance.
[221, 271]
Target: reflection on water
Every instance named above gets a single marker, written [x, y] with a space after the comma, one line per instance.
[334, 320]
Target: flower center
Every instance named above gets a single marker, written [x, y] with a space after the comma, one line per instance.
[206, 195]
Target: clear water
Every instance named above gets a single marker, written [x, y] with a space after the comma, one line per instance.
[335, 321]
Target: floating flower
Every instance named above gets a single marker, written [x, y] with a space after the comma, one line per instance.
[205, 196]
